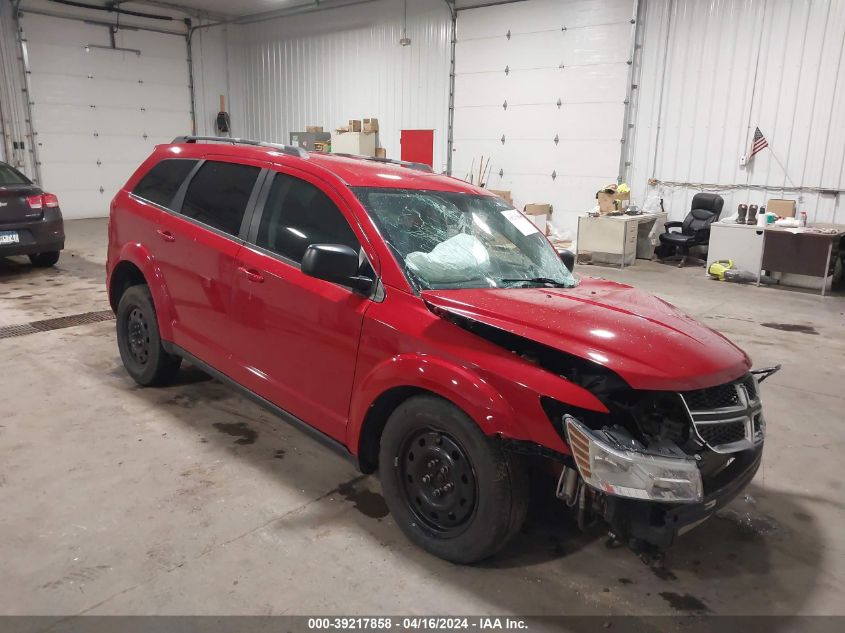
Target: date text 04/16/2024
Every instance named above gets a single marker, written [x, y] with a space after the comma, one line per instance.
[426, 623]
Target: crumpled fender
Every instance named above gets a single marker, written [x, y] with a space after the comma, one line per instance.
[469, 391]
[465, 389]
[139, 255]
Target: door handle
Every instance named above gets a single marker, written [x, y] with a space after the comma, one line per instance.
[167, 236]
[252, 275]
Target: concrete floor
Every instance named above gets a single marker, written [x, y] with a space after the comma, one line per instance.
[191, 500]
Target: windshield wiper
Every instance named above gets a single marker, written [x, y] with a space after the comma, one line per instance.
[546, 281]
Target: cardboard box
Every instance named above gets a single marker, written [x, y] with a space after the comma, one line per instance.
[782, 208]
[381, 152]
[369, 126]
[536, 208]
[342, 129]
[313, 128]
[354, 125]
[322, 146]
[505, 195]
[539, 214]
[612, 202]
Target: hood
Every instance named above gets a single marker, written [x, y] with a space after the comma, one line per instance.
[645, 340]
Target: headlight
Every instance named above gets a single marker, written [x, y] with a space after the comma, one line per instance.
[625, 473]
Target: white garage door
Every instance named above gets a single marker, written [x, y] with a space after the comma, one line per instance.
[549, 77]
[98, 113]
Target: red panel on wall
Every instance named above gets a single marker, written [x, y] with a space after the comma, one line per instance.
[418, 146]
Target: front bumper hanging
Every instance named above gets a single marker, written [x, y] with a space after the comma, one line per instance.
[646, 522]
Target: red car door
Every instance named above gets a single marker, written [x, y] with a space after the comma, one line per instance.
[197, 256]
[297, 335]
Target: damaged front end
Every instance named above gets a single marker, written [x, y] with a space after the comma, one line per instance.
[660, 463]
[656, 463]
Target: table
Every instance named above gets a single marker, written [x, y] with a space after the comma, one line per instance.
[608, 238]
[800, 252]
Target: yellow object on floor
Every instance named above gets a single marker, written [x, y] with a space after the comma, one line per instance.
[717, 269]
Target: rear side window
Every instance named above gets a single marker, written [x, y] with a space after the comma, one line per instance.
[219, 193]
[162, 182]
[11, 176]
[296, 215]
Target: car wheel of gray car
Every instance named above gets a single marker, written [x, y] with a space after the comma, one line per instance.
[139, 341]
[452, 490]
[44, 260]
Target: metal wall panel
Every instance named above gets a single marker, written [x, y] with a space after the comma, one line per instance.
[535, 71]
[711, 72]
[327, 67]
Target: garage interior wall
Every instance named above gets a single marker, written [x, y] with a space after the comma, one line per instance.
[211, 65]
[326, 67]
[540, 91]
[101, 97]
[13, 115]
[707, 73]
[711, 73]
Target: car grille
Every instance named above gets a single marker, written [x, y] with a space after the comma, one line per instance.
[712, 398]
[727, 418]
[750, 387]
[722, 433]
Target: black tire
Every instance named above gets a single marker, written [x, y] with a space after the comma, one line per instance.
[139, 341]
[44, 260]
[490, 486]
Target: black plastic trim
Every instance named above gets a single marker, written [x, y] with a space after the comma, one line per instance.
[291, 419]
[527, 447]
[659, 524]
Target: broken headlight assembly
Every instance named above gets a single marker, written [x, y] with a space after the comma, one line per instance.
[616, 470]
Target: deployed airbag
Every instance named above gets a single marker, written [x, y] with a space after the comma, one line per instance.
[459, 258]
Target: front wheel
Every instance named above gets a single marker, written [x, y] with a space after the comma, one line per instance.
[452, 490]
[139, 341]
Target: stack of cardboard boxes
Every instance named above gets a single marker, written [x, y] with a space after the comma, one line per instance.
[359, 137]
[537, 212]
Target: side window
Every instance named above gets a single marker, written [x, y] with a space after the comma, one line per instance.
[218, 195]
[163, 181]
[296, 215]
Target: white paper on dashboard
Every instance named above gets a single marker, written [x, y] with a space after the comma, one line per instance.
[525, 226]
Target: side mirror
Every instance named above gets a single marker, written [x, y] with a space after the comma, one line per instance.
[336, 263]
[568, 258]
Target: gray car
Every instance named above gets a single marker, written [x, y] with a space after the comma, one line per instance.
[30, 219]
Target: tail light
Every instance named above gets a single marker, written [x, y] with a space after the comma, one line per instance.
[43, 201]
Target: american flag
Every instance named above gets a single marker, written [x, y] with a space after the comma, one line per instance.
[758, 143]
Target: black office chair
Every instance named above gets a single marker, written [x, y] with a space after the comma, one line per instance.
[695, 229]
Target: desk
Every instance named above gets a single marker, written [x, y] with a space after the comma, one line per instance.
[618, 239]
[800, 252]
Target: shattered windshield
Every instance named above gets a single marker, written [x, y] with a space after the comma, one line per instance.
[454, 240]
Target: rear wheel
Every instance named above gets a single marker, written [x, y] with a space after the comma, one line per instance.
[452, 490]
[139, 341]
[43, 260]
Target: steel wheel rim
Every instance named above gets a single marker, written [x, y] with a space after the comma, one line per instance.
[438, 481]
[138, 336]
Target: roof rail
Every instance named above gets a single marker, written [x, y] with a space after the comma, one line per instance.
[390, 161]
[290, 150]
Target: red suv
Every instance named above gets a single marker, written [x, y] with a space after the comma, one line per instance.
[425, 329]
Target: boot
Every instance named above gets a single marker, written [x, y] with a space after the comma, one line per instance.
[741, 212]
[752, 214]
